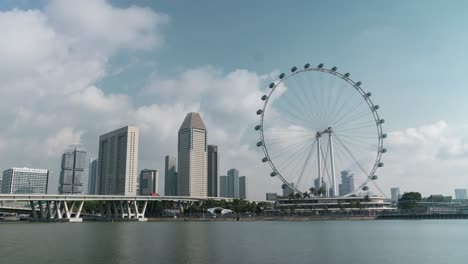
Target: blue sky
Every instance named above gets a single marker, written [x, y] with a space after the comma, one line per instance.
[410, 54]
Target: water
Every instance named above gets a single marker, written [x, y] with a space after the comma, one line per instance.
[425, 241]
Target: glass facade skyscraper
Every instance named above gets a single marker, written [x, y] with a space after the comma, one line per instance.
[243, 187]
[212, 171]
[92, 176]
[233, 183]
[170, 176]
[148, 182]
[25, 180]
[72, 170]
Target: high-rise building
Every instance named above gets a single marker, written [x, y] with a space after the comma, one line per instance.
[460, 194]
[25, 180]
[233, 183]
[192, 177]
[287, 191]
[118, 161]
[149, 182]
[395, 194]
[170, 176]
[243, 187]
[223, 186]
[92, 176]
[271, 196]
[72, 170]
[347, 183]
[213, 170]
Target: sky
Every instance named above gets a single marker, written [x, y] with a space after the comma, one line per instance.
[73, 70]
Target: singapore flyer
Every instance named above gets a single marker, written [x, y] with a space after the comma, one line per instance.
[321, 133]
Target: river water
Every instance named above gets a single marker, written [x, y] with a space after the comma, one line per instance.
[364, 242]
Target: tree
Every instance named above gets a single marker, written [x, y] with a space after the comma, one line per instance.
[409, 200]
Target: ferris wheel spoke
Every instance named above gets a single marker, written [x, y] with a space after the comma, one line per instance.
[346, 114]
[351, 155]
[306, 162]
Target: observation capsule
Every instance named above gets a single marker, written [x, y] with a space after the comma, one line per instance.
[273, 174]
[365, 188]
[265, 159]
[384, 150]
[283, 186]
[259, 111]
[259, 144]
[374, 177]
[320, 66]
[347, 75]
[334, 68]
[306, 66]
[264, 97]
[381, 164]
[281, 76]
[368, 94]
[376, 107]
[257, 127]
[384, 136]
[293, 69]
[358, 83]
[271, 85]
[381, 121]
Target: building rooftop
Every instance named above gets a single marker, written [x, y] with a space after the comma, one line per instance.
[193, 120]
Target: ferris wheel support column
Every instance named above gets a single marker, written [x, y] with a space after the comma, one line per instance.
[319, 161]
[332, 163]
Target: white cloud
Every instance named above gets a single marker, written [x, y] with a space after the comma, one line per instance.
[56, 143]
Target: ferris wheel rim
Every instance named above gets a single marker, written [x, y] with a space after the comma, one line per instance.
[362, 93]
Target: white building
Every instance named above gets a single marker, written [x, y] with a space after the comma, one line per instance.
[25, 180]
[460, 194]
[192, 177]
[118, 161]
[395, 194]
[347, 183]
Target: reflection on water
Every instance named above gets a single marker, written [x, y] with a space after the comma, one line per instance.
[236, 242]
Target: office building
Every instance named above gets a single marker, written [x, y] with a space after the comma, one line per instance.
[192, 177]
[271, 196]
[25, 180]
[233, 183]
[170, 176]
[118, 162]
[213, 171]
[460, 194]
[72, 170]
[347, 185]
[223, 186]
[149, 182]
[395, 194]
[92, 176]
[287, 190]
[243, 187]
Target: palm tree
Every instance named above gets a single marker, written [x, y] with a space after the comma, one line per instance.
[306, 195]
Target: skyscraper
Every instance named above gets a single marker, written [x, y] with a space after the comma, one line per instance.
[118, 161]
[460, 194]
[25, 180]
[170, 176]
[192, 177]
[395, 194]
[149, 182]
[223, 186]
[233, 183]
[243, 187]
[212, 171]
[92, 176]
[347, 183]
[72, 170]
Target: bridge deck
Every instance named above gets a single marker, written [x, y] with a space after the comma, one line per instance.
[58, 197]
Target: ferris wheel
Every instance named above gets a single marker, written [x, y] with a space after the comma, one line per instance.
[318, 128]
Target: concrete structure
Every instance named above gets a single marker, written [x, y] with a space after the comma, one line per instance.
[25, 180]
[271, 196]
[72, 170]
[395, 194]
[223, 186]
[243, 187]
[287, 191]
[170, 176]
[192, 178]
[92, 176]
[233, 183]
[213, 170]
[69, 207]
[149, 182]
[118, 162]
[460, 194]
[347, 185]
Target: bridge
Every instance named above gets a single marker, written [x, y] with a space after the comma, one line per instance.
[68, 208]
